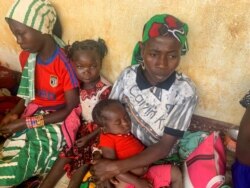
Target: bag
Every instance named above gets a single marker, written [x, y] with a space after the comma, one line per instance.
[205, 167]
[189, 142]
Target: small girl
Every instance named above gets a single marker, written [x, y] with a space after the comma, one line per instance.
[117, 142]
[86, 57]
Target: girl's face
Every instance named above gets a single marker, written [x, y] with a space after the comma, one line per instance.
[87, 65]
[161, 57]
[116, 120]
[29, 39]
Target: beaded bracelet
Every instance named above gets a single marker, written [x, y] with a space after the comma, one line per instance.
[34, 121]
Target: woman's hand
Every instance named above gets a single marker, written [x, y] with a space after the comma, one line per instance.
[8, 118]
[81, 142]
[104, 169]
[12, 127]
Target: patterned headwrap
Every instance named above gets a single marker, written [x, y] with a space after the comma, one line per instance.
[162, 25]
[41, 16]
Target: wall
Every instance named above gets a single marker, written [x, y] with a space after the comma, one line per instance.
[219, 56]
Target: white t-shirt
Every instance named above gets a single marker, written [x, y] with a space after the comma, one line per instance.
[155, 110]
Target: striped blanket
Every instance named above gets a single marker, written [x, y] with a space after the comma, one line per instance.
[28, 153]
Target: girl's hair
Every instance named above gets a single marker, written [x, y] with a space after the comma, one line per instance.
[100, 107]
[99, 46]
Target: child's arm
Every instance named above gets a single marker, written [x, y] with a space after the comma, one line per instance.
[129, 178]
[72, 100]
[84, 140]
[104, 169]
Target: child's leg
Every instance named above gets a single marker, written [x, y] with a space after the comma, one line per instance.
[78, 176]
[55, 173]
[176, 177]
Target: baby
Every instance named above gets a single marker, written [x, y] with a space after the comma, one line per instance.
[116, 142]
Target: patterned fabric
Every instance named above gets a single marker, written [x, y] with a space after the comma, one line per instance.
[37, 14]
[82, 155]
[41, 16]
[88, 99]
[155, 110]
[124, 146]
[29, 153]
[162, 25]
[245, 102]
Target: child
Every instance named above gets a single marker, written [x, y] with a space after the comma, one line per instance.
[159, 100]
[241, 167]
[48, 89]
[86, 57]
[116, 142]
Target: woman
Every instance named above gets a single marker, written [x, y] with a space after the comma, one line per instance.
[241, 166]
[48, 88]
[159, 100]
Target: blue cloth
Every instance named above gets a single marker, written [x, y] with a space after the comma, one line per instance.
[240, 175]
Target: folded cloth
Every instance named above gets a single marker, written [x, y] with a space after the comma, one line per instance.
[159, 175]
[30, 110]
[70, 126]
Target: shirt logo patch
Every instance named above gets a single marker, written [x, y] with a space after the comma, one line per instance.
[53, 81]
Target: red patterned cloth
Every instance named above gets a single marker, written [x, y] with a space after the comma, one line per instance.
[79, 155]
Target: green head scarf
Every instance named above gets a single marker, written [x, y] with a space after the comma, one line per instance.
[162, 25]
[41, 16]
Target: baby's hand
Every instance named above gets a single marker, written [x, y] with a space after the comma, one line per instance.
[143, 183]
[81, 142]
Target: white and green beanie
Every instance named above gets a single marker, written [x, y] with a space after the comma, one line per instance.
[41, 16]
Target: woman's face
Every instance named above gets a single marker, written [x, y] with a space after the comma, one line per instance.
[116, 119]
[161, 57]
[29, 39]
[87, 65]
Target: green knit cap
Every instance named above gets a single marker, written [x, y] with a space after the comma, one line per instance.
[41, 16]
[162, 25]
[37, 14]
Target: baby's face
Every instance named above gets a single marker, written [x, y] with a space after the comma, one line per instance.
[117, 120]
